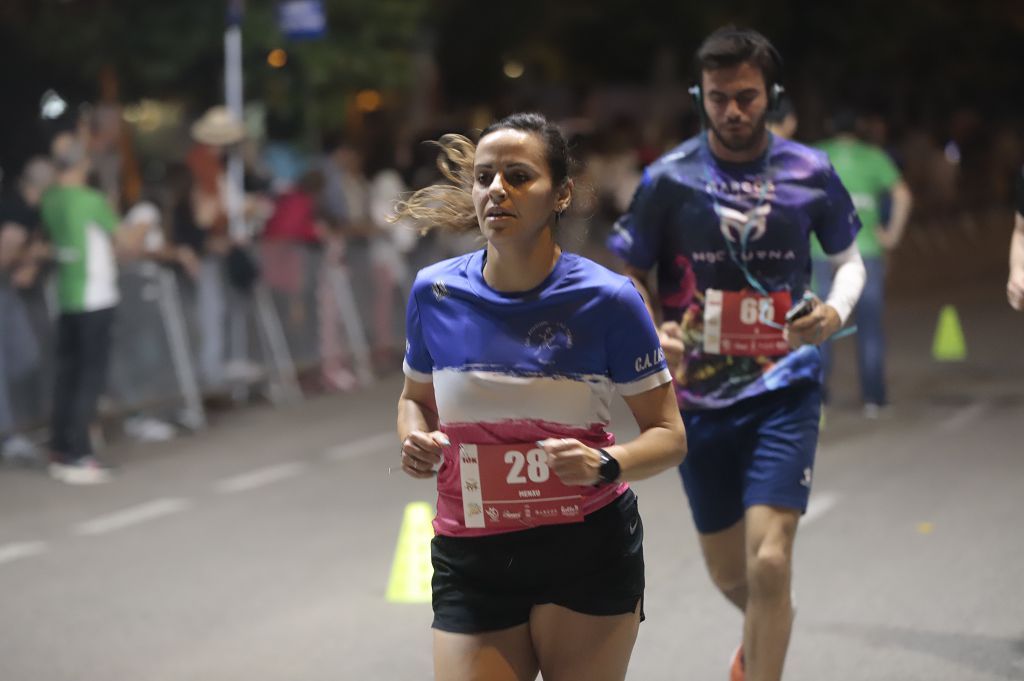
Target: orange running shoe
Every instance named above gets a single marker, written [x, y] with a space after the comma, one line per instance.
[736, 669]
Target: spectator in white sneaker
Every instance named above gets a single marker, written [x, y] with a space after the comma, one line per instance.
[83, 229]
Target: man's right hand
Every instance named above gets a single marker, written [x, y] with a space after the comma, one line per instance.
[671, 336]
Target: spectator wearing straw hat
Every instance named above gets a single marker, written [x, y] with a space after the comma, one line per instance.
[208, 234]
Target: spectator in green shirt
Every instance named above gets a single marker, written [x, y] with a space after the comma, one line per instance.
[871, 178]
[82, 226]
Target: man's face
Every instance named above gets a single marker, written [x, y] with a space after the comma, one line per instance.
[735, 102]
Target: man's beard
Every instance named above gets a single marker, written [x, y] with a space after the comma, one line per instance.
[747, 143]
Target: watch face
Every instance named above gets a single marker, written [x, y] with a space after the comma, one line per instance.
[610, 469]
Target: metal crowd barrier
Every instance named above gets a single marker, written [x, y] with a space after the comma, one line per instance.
[274, 330]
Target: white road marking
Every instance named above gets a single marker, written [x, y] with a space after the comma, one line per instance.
[134, 515]
[12, 552]
[368, 445]
[965, 417]
[820, 504]
[260, 477]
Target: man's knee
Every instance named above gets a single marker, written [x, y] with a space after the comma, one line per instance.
[730, 579]
[768, 573]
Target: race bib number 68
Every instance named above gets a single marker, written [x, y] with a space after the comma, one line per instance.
[734, 322]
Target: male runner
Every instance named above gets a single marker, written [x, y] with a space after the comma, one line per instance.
[726, 218]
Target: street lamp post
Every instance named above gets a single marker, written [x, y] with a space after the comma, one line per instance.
[234, 99]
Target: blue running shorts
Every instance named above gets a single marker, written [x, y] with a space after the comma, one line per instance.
[757, 451]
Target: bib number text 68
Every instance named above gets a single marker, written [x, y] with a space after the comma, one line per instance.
[753, 310]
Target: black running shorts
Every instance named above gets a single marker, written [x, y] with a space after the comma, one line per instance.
[595, 567]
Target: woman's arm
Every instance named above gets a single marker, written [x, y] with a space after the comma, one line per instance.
[417, 429]
[660, 445]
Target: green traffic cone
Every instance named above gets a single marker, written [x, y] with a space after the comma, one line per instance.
[949, 345]
[411, 571]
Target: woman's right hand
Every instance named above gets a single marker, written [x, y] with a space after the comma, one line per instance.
[421, 453]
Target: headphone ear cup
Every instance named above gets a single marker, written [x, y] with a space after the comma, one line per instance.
[698, 103]
[698, 99]
[775, 96]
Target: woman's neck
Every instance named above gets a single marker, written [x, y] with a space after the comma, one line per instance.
[514, 267]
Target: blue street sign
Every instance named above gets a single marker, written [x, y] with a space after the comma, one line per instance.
[302, 19]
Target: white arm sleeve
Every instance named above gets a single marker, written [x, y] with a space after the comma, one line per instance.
[848, 280]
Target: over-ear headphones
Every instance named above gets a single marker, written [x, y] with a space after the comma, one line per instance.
[775, 93]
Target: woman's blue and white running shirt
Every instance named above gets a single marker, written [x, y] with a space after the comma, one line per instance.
[526, 366]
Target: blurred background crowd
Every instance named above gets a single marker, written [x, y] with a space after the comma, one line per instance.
[295, 282]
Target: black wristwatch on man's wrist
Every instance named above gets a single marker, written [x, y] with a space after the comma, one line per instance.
[610, 469]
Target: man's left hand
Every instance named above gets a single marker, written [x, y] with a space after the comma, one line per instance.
[815, 327]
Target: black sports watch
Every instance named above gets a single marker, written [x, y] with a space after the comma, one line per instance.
[610, 469]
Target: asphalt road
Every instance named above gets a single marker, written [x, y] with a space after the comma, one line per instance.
[261, 548]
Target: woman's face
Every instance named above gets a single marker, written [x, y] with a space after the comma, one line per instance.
[513, 190]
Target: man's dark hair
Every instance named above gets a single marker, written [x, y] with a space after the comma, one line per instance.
[731, 46]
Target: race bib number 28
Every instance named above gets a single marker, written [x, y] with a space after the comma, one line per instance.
[734, 322]
[510, 486]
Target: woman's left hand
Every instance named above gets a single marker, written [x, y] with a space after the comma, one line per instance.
[572, 461]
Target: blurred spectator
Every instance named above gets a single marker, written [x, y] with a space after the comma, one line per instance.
[83, 228]
[294, 230]
[335, 358]
[110, 144]
[19, 219]
[21, 248]
[390, 244]
[869, 175]
[188, 240]
[612, 171]
[330, 166]
[144, 223]
[615, 167]
[201, 225]
[347, 189]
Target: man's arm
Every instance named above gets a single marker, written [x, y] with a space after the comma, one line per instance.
[670, 333]
[1015, 284]
[902, 201]
[827, 318]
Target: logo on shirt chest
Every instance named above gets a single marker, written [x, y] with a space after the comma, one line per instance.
[439, 290]
[737, 224]
[734, 224]
[547, 338]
